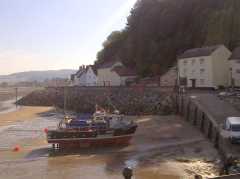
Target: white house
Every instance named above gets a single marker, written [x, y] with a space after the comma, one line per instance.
[204, 67]
[86, 76]
[114, 74]
[234, 63]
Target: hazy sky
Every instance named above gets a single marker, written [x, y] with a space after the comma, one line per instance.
[56, 34]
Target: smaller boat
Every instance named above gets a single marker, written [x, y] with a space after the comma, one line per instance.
[100, 129]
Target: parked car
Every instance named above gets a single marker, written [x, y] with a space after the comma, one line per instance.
[232, 128]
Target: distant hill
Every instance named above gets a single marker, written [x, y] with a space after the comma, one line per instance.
[36, 76]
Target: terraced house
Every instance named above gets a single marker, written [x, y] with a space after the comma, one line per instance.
[234, 62]
[205, 67]
[115, 74]
[85, 76]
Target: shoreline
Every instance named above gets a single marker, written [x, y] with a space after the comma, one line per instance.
[23, 113]
[161, 161]
[8, 106]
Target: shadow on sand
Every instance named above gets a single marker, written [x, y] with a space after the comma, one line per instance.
[49, 152]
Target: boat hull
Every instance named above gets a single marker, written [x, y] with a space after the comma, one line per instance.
[71, 143]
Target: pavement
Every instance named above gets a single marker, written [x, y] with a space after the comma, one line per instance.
[213, 105]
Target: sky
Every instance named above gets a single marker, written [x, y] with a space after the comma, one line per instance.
[56, 34]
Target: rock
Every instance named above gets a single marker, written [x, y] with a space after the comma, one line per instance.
[83, 100]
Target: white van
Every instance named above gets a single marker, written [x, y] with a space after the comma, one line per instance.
[232, 128]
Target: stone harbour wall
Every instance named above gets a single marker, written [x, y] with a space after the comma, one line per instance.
[197, 116]
[131, 101]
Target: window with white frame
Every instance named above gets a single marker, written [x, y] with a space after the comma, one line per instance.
[202, 81]
[193, 61]
[202, 61]
[202, 70]
[184, 71]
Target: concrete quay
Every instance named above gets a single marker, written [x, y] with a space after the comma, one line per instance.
[208, 113]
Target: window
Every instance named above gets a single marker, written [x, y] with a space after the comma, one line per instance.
[184, 71]
[202, 81]
[202, 61]
[202, 71]
[235, 127]
[185, 62]
[193, 61]
[193, 72]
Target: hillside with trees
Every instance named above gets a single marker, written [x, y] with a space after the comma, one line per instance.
[159, 30]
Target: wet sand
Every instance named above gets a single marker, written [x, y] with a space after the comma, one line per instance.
[164, 147]
[22, 114]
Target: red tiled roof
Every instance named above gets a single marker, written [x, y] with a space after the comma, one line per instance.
[123, 71]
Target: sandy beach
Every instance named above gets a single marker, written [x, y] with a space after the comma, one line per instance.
[10, 114]
[23, 113]
[164, 147]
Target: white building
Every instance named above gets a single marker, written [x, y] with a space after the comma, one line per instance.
[205, 67]
[86, 76]
[234, 62]
[114, 74]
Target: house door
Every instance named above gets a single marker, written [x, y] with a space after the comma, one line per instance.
[193, 83]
